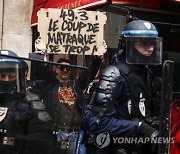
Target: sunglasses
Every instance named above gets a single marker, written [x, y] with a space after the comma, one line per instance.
[62, 68]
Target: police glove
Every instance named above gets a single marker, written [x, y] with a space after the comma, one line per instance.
[148, 131]
[153, 121]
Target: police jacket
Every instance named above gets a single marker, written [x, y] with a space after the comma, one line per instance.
[25, 126]
[130, 100]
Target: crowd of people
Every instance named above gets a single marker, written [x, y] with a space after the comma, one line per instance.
[66, 114]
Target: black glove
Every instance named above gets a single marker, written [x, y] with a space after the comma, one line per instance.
[148, 131]
[153, 121]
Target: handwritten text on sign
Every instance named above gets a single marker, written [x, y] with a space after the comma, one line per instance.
[72, 31]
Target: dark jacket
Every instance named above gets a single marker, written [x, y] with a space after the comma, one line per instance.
[26, 126]
[48, 89]
[120, 122]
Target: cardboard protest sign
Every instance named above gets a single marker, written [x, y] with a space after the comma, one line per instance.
[72, 31]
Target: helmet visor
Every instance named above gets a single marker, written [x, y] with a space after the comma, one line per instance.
[143, 50]
[11, 78]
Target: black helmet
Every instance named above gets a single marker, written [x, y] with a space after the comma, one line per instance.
[140, 28]
[12, 79]
[143, 46]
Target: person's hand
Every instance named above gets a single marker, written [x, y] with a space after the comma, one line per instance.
[153, 121]
[40, 46]
[105, 47]
[148, 131]
[145, 130]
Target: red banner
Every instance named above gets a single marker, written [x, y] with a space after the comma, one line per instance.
[175, 127]
[64, 4]
[70, 4]
[145, 4]
[174, 1]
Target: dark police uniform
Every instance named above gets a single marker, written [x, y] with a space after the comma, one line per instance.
[121, 114]
[121, 103]
[24, 126]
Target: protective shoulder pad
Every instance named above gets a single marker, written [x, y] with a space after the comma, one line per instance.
[39, 108]
[44, 116]
[111, 73]
[38, 105]
[32, 97]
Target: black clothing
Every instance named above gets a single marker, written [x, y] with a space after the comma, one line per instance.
[65, 110]
[25, 126]
[132, 105]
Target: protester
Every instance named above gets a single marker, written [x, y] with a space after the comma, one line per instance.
[64, 99]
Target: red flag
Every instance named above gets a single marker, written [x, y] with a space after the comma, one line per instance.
[175, 127]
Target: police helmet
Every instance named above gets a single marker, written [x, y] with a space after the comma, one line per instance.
[143, 46]
[140, 28]
[12, 79]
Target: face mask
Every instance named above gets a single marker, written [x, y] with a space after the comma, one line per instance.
[8, 86]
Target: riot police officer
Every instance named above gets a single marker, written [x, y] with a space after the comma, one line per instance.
[25, 126]
[121, 103]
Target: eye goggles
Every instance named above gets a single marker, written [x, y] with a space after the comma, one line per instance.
[63, 68]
